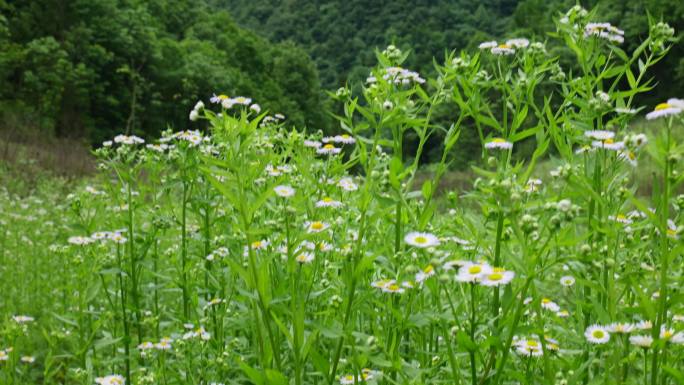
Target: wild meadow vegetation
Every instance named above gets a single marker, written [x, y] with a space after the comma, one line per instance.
[247, 252]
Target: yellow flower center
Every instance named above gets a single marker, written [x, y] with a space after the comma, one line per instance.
[301, 258]
[495, 277]
[532, 343]
[506, 46]
[545, 301]
[608, 141]
[598, 334]
[475, 269]
[620, 217]
[327, 199]
[662, 106]
[328, 146]
[429, 269]
[345, 136]
[667, 334]
[420, 239]
[222, 96]
[317, 226]
[498, 140]
[393, 287]
[257, 244]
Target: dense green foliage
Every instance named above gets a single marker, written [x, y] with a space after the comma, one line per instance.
[341, 35]
[98, 67]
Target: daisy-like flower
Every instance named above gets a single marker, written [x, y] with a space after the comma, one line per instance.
[644, 325]
[422, 240]
[78, 240]
[112, 379]
[284, 191]
[3, 355]
[488, 45]
[28, 359]
[347, 184]
[312, 144]
[597, 334]
[672, 229]
[548, 304]
[608, 144]
[382, 283]
[668, 334]
[498, 144]
[316, 226]
[503, 49]
[259, 245]
[567, 280]
[145, 346]
[344, 139]
[532, 185]
[393, 288]
[329, 202]
[473, 272]
[599, 134]
[620, 218]
[497, 277]
[621, 327]
[304, 258]
[218, 99]
[528, 347]
[116, 237]
[518, 43]
[22, 319]
[349, 379]
[662, 110]
[240, 100]
[563, 313]
[329, 149]
[164, 344]
[629, 157]
[625, 111]
[642, 341]
[424, 274]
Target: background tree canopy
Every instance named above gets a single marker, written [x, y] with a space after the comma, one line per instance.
[93, 68]
[98, 67]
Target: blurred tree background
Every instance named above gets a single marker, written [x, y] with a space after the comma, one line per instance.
[94, 68]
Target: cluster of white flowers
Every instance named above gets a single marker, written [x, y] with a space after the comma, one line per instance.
[507, 48]
[194, 137]
[605, 31]
[125, 139]
[597, 334]
[391, 286]
[112, 379]
[532, 346]
[200, 332]
[398, 75]
[221, 252]
[484, 274]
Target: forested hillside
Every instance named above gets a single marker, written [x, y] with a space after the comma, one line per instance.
[94, 68]
[341, 35]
